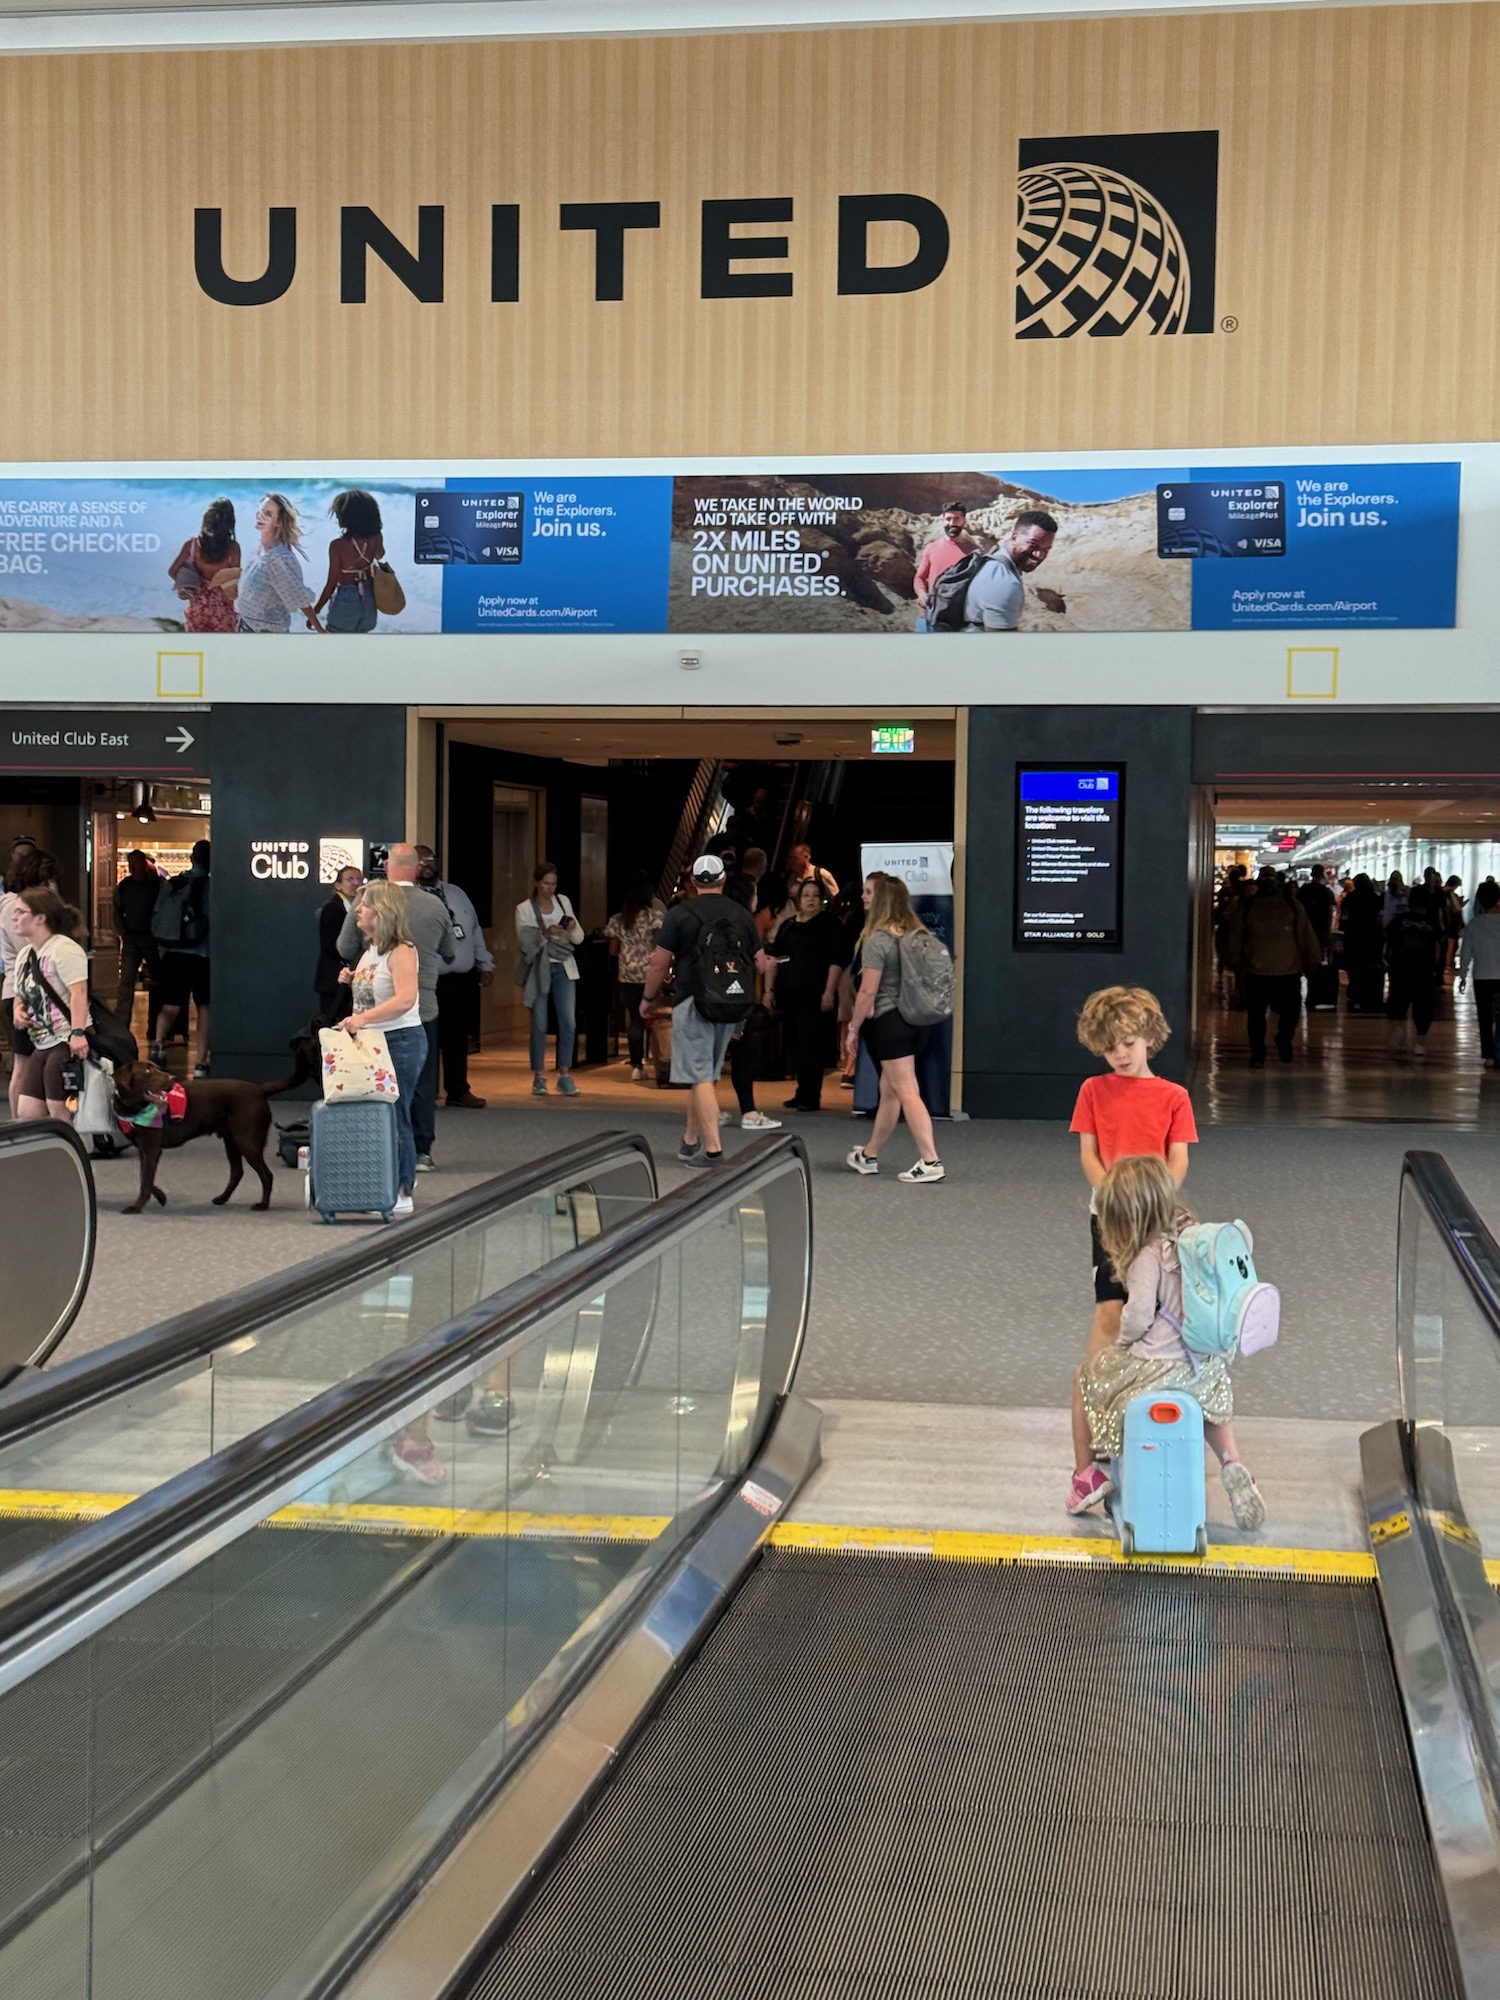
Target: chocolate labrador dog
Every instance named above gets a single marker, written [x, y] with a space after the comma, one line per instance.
[236, 1112]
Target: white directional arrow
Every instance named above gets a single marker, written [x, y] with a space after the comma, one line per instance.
[183, 739]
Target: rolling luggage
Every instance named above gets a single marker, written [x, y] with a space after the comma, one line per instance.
[1161, 1506]
[352, 1161]
[1323, 990]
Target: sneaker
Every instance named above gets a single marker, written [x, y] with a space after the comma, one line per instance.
[846, 1083]
[1244, 1495]
[1419, 1046]
[1088, 1489]
[158, 1052]
[452, 1407]
[200, 1070]
[706, 1159]
[638, 1074]
[490, 1414]
[757, 1121]
[796, 1104]
[415, 1458]
[861, 1162]
[402, 1205]
[689, 1154]
[539, 1086]
[924, 1170]
[424, 1164]
[467, 1102]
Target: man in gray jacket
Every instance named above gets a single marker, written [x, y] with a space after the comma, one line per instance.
[432, 933]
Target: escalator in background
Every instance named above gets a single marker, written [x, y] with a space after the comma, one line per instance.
[47, 1244]
[570, 1726]
[85, 1437]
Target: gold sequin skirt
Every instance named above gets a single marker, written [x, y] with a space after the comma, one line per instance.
[1116, 1377]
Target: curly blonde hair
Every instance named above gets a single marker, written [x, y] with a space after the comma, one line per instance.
[1118, 1014]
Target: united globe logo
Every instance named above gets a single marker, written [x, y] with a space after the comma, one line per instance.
[1116, 234]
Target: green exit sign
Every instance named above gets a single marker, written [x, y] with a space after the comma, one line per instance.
[893, 739]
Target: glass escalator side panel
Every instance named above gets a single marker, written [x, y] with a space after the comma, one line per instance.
[258, 1754]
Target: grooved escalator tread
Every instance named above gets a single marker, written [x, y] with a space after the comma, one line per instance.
[886, 1778]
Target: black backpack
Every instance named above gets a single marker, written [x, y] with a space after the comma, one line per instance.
[949, 595]
[109, 1035]
[179, 916]
[726, 971]
[1418, 940]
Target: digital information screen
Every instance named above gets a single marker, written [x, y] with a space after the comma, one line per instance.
[1068, 831]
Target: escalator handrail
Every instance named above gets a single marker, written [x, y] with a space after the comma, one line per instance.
[1473, 1250]
[55, 1599]
[18, 1137]
[36, 1400]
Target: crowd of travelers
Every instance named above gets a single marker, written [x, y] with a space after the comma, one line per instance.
[1386, 950]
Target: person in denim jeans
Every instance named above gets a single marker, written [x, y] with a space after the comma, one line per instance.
[549, 936]
[385, 996]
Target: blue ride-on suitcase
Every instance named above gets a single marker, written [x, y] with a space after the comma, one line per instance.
[1161, 1502]
[352, 1158]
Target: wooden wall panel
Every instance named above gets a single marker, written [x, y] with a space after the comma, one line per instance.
[1359, 242]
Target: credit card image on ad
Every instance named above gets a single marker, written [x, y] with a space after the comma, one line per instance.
[1221, 517]
[468, 527]
[1068, 857]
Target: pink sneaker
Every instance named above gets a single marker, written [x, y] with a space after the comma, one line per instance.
[416, 1458]
[1088, 1489]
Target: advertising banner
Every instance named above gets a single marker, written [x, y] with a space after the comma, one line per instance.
[1159, 549]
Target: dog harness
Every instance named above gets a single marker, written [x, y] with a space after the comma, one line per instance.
[173, 1105]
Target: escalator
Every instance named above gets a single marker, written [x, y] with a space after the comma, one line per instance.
[589, 1721]
[87, 1436]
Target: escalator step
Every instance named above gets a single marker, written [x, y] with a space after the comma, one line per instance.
[888, 1777]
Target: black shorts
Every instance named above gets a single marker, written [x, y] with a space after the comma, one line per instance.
[889, 1038]
[20, 1041]
[183, 977]
[1107, 1287]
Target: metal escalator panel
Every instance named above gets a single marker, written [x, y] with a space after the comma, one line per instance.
[242, 1718]
[86, 1438]
[47, 1244]
[886, 1777]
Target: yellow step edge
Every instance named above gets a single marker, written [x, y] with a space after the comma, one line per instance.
[959, 1545]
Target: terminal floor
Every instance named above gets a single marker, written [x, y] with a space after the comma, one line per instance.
[946, 1320]
[1345, 1072]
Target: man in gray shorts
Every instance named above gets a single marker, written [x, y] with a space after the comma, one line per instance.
[699, 1045]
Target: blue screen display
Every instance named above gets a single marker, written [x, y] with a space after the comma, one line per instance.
[1068, 859]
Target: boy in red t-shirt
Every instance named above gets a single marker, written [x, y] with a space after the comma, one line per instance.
[1125, 1114]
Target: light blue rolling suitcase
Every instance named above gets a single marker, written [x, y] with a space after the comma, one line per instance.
[1161, 1504]
[352, 1158]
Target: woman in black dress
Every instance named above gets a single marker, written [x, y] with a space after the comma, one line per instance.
[802, 985]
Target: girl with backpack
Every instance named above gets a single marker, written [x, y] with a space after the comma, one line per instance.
[894, 1044]
[1139, 1214]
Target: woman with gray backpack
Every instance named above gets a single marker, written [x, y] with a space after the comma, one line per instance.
[903, 980]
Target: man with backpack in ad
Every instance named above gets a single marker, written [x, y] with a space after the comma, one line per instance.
[711, 946]
[179, 924]
[986, 592]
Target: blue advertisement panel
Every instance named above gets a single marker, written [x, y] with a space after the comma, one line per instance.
[577, 555]
[1159, 549]
[1348, 545]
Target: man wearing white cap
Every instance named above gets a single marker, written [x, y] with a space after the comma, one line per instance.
[713, 943]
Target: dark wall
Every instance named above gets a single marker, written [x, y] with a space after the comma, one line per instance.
[287, 773]
[1022, 1058]
[1348, 743]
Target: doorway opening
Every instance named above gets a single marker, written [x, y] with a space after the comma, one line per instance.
[91, 825]
[1387, 874]
[609, 797]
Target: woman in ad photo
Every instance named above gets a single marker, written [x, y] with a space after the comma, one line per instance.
[206, 572]
[273, 586]
[349, 592]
